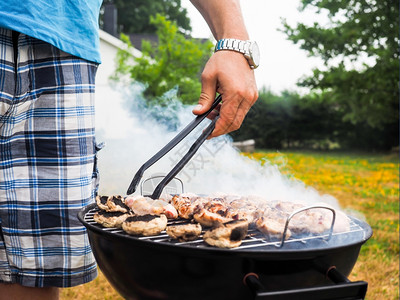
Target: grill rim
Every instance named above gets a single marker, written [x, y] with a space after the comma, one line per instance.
[185, 247]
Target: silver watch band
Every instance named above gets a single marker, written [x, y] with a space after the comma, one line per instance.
[248, 48]
[232, 44]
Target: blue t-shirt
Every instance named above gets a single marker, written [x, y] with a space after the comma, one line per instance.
[70, 25]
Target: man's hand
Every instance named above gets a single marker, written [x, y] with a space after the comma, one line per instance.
[229, 74]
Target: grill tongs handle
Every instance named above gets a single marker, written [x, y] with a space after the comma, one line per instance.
[179, 137]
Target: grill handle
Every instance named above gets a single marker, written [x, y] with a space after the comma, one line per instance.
[304, 209]
[342, 289]
[179, 137]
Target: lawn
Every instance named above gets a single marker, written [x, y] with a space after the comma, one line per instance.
[366, 183]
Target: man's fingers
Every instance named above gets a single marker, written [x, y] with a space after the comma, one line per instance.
[208, 92]
[231, 117]
[204, 104]
[228, 113]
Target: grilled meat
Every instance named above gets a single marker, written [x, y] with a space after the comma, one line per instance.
[184, 232]
[185, 204]
[228, 235]
[272, 228]
[112, 204]
[342, 221]
[209, 219]
[110, 219]
[146, 206]
[145, 225]
[102, 202]
[212, 212]
[268, 217]
[244, 209]
[310, 221]
[117, 203]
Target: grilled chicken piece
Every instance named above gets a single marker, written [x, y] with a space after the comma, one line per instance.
[310, 221]
[110, 219]
[102, 202]
[244, 209]
[185, 204]
[342, 221]
[272, 228]
[228, 235]
[313, 220]
[209, 219]
[141, 205]
[184, 232]
[117, 203]
[211, 213]
[146, 225]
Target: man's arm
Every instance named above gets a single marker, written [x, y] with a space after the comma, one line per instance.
[226, 72]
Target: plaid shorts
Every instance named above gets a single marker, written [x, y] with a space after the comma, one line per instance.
[47, 163]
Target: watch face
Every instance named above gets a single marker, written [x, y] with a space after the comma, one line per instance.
[255, 54]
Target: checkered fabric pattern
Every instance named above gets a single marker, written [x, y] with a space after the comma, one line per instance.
[47, 163]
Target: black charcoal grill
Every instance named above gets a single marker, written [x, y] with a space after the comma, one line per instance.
[157, 267]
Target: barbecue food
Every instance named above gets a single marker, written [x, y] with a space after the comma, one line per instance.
[269, 217]
[342, 222]
[244, 209]
[110, 219]
[145, 225]
[185, 204]
[141, 205]
[117, 203]
[212, 212]
[228, 235]
[312, 220]
[102, 202]
[112, 204]
[272, 228]
[184, 232]
[209, 219]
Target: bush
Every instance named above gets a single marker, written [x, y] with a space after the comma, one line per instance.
[312, 121]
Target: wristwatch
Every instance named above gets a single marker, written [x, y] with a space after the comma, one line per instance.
[248, 48]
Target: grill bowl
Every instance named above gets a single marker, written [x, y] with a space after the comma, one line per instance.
[156, 268]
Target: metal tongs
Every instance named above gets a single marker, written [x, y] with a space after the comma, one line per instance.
[179, 137]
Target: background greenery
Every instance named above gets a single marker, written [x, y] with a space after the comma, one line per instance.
[174, 62]
[352, 101]
[311, 121]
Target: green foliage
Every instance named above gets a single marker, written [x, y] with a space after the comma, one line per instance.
[312, 121]
[359, 30]
[175, 62]
[134, 15]
[288, 120]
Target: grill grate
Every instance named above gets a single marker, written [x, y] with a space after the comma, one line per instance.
[254, 240]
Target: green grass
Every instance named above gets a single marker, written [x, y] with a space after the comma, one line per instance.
[366, 183]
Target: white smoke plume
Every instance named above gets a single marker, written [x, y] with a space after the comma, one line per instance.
[133, 134]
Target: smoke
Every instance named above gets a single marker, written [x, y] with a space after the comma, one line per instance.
[133, 133]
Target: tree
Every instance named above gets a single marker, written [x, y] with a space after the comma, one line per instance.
[175, 62]
[357, 30]
[134, 15]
